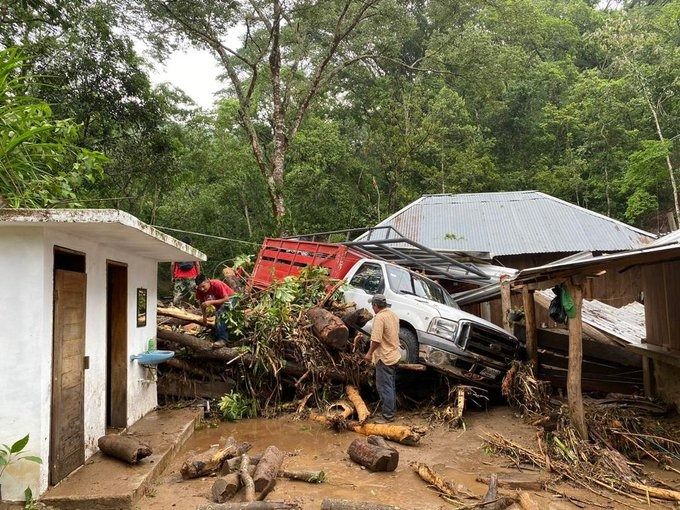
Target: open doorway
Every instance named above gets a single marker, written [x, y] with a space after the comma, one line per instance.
[67, 442]
[116, 344]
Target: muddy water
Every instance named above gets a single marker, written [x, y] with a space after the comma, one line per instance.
[457, 454]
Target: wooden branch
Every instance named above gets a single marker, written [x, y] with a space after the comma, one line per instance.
[184, 316]
[355, 397]
[251, 505]
[211, 461]
[203, 348]
[246, 479]
[344, 504]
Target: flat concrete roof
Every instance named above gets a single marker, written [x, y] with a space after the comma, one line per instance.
[111, 227]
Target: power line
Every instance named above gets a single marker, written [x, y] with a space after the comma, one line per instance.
[206, 235]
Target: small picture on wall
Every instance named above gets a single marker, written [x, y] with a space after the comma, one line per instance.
[141, 307]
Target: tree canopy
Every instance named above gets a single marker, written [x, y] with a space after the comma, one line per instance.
[336, 113]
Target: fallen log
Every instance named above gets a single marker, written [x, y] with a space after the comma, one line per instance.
[355, 397]
[379, 441]
[374, 458]
[304, 476]
[247, 479]
[443, 486]
[267, 468]
[328, 328]
[654, 492]
[340, 408]
[356, 319]
[173, 386]
[265, 492]
[202, 348]
[184, 316]
[413, 367]
[250, 505]
[126, 448]
[225, 488]
[344, 504]
[212, 460]
[402, 434]
[187, 367]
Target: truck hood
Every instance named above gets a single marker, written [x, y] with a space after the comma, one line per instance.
[455, 314]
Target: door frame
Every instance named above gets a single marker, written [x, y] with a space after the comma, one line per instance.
[116, 346]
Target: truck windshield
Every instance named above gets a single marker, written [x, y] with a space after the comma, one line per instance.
[406, 282]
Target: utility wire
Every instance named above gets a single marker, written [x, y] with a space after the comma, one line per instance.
[206, 235]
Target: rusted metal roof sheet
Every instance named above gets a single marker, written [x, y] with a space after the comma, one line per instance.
[512, 223]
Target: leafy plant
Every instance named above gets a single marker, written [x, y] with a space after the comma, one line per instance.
[235, 406]
[13, 454]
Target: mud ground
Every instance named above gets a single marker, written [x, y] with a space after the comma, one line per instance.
[456, 453]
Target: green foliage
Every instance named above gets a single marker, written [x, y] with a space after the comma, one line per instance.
[40, 163]
[235, 406]
[15, 453]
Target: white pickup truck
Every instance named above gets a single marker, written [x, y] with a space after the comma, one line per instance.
[433, 329]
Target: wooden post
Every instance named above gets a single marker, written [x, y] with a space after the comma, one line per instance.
[648, 376]
[574, 394]
[506, 304]
[530, 325]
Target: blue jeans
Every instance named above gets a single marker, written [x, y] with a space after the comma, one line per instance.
[385, 382]
[221, 331]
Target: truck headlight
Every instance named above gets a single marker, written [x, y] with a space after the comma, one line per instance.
[443, 327]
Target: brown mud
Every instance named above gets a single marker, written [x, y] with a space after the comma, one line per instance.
[458, 454]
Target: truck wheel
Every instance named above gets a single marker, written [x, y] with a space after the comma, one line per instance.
[408, 343]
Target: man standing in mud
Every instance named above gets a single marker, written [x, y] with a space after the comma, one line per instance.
[384, 353]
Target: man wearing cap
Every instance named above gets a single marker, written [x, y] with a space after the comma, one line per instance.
[384, 353]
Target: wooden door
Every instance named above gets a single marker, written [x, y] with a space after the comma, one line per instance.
[67, 445]
[117, 349]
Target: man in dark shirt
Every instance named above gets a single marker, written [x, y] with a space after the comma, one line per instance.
[215, 293]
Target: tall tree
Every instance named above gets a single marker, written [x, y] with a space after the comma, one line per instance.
[290, 53]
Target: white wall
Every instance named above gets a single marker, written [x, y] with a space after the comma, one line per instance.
[26, 304]
[25, 351]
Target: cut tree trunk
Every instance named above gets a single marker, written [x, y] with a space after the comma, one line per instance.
[125, 448]
[340, 408]
[398, 433]
[374, 458]
[574, 393]
[527, 482]
[187, 367]
[184, 316]
[355, 397]
[250, 505]
[328, 328]
[527, 502]
[202, 348]
[344, 504]
[654, 492]
[226, 488]
[379, 441]
[355, 319]
[304, 476]
[234, 464]
[208, 462]
[268, 467]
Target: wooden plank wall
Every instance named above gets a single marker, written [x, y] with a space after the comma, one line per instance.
[661, 284]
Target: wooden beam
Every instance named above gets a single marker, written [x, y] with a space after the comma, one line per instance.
[506, 304]
[574, 394]
[648, 376]
[530, 325]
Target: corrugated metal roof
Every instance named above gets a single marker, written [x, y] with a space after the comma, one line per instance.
[512, 223]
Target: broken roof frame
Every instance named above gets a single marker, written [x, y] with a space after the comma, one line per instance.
[390, 248]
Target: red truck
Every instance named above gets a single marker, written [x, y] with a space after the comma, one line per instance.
[433, 329]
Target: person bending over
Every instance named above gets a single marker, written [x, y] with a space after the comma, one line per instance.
[215, 293]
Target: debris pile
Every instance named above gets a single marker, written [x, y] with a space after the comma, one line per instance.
[622, 431]
[291, 344]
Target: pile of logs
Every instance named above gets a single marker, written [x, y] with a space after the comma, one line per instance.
[202, 371]
[238, 473]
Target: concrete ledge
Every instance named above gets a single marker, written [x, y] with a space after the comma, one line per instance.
[104, 483]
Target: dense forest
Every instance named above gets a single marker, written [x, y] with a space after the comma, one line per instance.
[336, 113]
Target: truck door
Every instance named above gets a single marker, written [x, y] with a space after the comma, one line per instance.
[367, 280]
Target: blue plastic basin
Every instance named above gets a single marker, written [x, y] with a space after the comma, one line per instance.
[152, 357]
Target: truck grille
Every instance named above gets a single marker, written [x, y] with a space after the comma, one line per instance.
[490, 344]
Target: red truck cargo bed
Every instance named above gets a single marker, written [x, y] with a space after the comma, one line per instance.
[279, 258]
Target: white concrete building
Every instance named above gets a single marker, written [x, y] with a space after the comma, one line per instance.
[71, 283]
